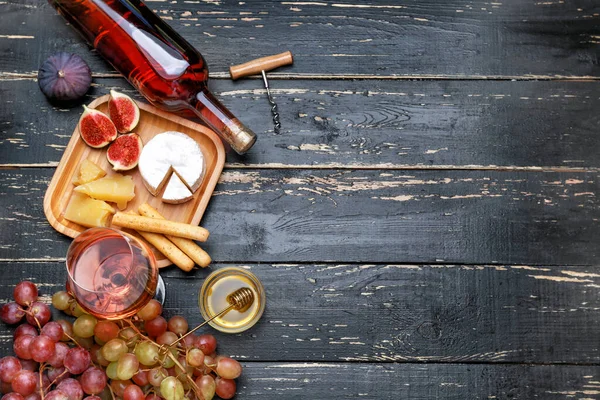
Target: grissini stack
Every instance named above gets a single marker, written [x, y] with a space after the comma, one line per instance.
[162, 244]
[191, 249]
[165, 227]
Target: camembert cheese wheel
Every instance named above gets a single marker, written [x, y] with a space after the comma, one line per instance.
[168, 152]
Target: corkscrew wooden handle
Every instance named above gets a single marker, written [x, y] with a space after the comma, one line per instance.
[261, 64]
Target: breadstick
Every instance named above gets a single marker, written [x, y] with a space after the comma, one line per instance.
[188, 246]
[165, 227]
[167, 248]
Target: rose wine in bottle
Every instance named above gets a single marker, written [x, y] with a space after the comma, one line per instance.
[156, 60]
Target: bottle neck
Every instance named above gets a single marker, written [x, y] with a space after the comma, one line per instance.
[223, 122]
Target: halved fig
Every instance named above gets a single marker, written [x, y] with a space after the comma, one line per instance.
[96, 129]
[123, 111]
[124, 153]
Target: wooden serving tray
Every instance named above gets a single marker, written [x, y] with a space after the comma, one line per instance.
[152, 122]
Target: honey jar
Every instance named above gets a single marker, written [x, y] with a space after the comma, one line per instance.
[213, 298]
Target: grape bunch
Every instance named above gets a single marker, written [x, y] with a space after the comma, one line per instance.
[141, 358]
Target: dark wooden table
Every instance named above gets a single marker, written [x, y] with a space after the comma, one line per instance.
[427, 223]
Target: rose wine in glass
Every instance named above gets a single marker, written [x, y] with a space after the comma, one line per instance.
[156, 60]
[111, 274]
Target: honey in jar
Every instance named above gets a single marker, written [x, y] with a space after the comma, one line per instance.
[213, 299]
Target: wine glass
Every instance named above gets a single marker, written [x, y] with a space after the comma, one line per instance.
[111, 274]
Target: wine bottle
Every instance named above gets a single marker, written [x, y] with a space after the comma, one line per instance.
[156, 60]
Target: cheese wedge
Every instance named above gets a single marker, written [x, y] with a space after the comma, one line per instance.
[117, 188]
[176, 192]
[168, 152]
[84, 210]
[88, 171]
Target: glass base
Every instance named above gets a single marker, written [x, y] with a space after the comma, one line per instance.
[161, 291]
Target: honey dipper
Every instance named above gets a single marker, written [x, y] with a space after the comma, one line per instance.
[262, 65]
[241, 299]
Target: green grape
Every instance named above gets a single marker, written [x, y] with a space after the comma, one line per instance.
[61, 300]
[113, 349]
[147, 353]
[156, 375]
[84, 326]
[171, 389]
[167, 361]
[111, 370]
[127, 366]
[76, 309]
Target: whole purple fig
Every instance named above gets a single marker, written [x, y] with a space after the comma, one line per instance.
[64, 77]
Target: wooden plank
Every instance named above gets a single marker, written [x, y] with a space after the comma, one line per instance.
[358, 124]
[382, 38]
[465, 217]
[390, 313]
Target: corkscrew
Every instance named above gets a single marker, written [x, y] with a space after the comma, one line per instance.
[264, 64]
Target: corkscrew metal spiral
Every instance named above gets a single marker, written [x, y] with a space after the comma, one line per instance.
[238, 300]
[274, 110]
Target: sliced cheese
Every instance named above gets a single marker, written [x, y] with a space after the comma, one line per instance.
[168, 152]
[176, 191]
[117, 188]
[84, 210]
[88, 171]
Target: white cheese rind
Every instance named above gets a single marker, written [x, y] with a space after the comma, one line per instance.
[170, 151]
[176, 191]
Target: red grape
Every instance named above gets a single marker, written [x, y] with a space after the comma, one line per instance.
[133, 392]
[178, 325]
[11, 313]
[42, 348]
[156, 375]
[195, 357]
[58, 358]
[156, 326]
[92, 398]
[93, 380]
[228, 368]
[25, 329]
[206, 343]
[86, 343]
[67, 330]
[21, 346]
[25, 293]
[29, 365]
[33, 396]
[207, 386]
[53, 330]
[77, 360]
[140, 378]
[9, 366]
[166, 338]
[56, 395]
[72, 388]
[225, 388]
[57, 375]
[24, 382]
[118, 386]
[12, 396]
[106, 330]
[189, 341]
[150, 311]
[5, 387]
[40, 312]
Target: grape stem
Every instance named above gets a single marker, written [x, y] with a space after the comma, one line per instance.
[225, 311]
[41, 380]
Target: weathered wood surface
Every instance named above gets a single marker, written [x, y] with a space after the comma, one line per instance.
[354, 216]
[536, 39]
[391, 313]
[360, 124]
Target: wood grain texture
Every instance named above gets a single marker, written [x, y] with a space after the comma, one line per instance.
[391, 313]
[381, 38]
[372, 216]
[360, 124]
